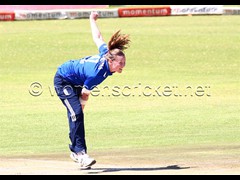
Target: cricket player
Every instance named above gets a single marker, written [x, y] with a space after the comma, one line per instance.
[75, 79]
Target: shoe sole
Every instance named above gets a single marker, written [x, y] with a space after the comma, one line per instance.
[92, 163]
[85, 168]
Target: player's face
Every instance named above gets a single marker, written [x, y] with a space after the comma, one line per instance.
[117, 64]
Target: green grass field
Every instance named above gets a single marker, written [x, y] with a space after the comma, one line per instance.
[192, 62]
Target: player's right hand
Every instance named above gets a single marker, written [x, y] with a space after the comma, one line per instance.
[94, 15]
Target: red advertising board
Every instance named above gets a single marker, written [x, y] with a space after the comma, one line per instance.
[144, 11]
[7, 16]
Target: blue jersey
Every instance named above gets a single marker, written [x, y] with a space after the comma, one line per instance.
[88, 71]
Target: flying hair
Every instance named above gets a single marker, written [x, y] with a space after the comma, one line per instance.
[117, 44]
[119, 41]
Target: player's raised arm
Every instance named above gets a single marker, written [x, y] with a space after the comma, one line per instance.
[96, 34]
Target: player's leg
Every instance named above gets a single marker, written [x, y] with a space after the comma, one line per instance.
[77, 132]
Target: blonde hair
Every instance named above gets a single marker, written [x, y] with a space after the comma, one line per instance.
[117, 44]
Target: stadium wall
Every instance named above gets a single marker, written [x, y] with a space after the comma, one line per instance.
[39, 14]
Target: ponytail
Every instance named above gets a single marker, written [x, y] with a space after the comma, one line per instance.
[117, 44]
[119, 41]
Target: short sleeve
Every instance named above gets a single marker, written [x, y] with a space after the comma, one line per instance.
[103, 49]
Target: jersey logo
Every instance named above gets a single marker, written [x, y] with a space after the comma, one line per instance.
[101, 63]
[105, 74]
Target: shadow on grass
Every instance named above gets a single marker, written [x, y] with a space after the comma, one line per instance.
[101, 170]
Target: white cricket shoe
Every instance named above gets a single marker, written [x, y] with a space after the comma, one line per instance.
[85, 161]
